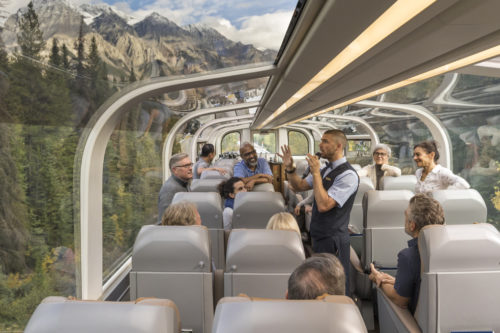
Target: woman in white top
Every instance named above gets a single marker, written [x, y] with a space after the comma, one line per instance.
[430, 175]
[381, 168]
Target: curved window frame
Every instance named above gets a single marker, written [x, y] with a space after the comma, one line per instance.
[226, 134]
[298, 132]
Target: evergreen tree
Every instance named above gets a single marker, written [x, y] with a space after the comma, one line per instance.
[94, 63]
[132, 77]
[65, 56]
[55, 57]
[80, 84]
[30, 38]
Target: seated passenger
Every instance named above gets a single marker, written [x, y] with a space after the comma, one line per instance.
[181, 169]
[251, 169]
[181, 213]
[403, 290]
[228, 190]
[205, 161]
[283, 221]
[320, 274]
[381, 168]
[430, 175]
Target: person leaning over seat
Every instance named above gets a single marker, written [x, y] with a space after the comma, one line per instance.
[204, 163]
[381, 168]
[181, 168]
[430, 175]
[251, 169]
[318, 275]
[404, 288]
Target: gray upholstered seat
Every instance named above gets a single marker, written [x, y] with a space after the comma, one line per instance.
[254, 209]
[212, 174]
[461, 206]
[383, 221]
[264, 187]
[404, 182]
[58, 314]
[209, 205]
[356, 219]
[205, 185]
[174, 262]
[259, 261]
[246, 315]
[460, 274]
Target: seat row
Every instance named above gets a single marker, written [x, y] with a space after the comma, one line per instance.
[233, 314]
[174, 262]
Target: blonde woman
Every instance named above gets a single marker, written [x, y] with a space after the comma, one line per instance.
[283, 221]
[181, 213]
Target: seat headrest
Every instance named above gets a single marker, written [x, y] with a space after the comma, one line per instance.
[461, 206]
[212, 174]
[365, 185]
[172, 249]
[385, 208]
[254, 209]
[264, 251]
[245, 315]
[264, 187]
[205, 185]
[404, 182]
[58, 314]
[209, 205]
[466, 247]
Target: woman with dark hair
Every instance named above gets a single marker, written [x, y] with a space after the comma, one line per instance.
[430, 175]
[205, 161]
[228, 190]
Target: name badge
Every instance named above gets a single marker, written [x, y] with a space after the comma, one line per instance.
[328, 178]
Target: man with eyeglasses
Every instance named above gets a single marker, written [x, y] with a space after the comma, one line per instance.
[381, 168]
[181, 169]
[252, 170]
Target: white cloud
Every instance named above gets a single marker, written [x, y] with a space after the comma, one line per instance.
[264, 32]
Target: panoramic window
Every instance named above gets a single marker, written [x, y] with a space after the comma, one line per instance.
[231, 143]
[299, 145]
[265, 143]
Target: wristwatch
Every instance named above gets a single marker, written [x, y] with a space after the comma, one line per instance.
[292, 170]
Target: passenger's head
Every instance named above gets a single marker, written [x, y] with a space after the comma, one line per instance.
[230, 187]
[320, 274]
[208, 150]
[283, 221]
[381, 154]
[425, 153]
[181, 166]
[248, 154]
[332, 144]
[422, 210]
[181, 213]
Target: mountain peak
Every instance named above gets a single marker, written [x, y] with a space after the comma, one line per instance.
[156, 18]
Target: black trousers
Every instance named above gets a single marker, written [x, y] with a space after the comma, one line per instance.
[340, 246]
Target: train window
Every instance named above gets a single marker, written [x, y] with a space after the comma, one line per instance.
[359, 152]
[231, 142]
[265, 143]
[298, 143]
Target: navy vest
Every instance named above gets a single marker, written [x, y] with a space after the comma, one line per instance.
[336, 220]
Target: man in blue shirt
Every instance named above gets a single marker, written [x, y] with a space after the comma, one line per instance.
[403, 290]
[252, 170]
[334, 188]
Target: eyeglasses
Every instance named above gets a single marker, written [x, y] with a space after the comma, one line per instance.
[249, 153]
[184, 166]
[379, 154]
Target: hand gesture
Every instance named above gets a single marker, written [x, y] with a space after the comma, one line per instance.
[249, 185]
[286, 157]
[314, 164]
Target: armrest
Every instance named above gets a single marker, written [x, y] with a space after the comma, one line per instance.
[393, 318]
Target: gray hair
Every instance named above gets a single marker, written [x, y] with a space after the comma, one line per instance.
[382, 146]
[424, 210]
[176, 159]
[317, 275]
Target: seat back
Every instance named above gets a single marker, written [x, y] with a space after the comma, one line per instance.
[212, 174]
[246, 315]
[209, 205]
[174, 262]
[356, 219]
[404, 182]
[264, 187]
[384, 233]
[459, 288]
[205, 185]
[259, 262]
[461, 206]
[58, 314]
[254, 209]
